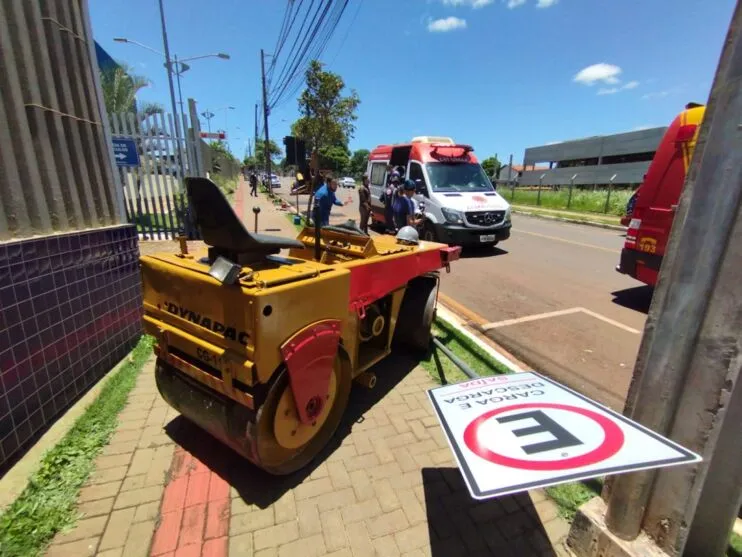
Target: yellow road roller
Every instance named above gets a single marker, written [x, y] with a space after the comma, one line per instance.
[259, 338]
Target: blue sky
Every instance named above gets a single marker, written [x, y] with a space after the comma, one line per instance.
[501, 75]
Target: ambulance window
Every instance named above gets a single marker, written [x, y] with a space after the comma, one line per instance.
[416, 173]
[378, 169]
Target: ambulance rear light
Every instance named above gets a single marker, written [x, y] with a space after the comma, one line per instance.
[686, 133]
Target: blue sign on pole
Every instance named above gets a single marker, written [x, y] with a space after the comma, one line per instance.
[125, 151]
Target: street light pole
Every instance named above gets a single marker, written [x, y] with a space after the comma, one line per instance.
[177, 74]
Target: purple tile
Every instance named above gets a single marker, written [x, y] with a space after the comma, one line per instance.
[9, 444]
[23, 432]
[4, 258]
[6, 426]
[14, 253]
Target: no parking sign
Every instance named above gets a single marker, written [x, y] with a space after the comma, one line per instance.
[511, 433]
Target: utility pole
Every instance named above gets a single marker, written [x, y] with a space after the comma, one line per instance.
[686, 383]
[255, 141]
[266, 147]
[169, 62]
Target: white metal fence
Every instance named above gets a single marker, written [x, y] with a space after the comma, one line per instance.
[152, 175]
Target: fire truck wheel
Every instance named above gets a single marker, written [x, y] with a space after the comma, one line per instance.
[416, 314]
[284, 444]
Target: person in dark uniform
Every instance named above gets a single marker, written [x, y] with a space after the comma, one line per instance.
[253, 183]
[387, 198]
[364, 203]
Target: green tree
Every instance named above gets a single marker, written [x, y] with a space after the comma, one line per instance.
[328, 114]
[220, 148]
[491, 166]
[359, 162]
[274, 150]
[335, 158]
[120, 87]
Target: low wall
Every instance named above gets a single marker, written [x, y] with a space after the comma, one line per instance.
[70, 308]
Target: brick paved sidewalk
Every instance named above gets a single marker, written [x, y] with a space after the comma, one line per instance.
[386, 485]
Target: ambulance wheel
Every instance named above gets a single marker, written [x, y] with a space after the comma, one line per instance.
[429, 234]
[416, 315]
[284, 444]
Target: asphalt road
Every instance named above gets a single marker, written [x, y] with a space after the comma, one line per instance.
[551, 296]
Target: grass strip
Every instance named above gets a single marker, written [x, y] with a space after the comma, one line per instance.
[583, 201]
[735, 546]
[299, 227]
[463, 347]
[227, 184]
[47, 504]
[581, 217]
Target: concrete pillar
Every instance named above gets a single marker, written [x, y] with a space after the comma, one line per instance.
[685, 382]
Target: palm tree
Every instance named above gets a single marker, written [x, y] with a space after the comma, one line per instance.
[120, 87]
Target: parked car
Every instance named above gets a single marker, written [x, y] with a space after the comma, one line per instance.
[275, 182]
[348, 182]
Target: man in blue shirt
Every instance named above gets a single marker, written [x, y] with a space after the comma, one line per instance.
[325, 199]
[404, 208]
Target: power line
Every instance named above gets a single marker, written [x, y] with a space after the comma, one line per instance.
[300, 33]
[319, 39]
[321, 35]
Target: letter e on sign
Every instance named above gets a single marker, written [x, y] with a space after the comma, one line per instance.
[509, 445]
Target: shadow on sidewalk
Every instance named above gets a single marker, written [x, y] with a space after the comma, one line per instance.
[458, 524]
[260, 488]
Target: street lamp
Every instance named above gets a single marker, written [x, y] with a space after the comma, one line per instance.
[178, 66]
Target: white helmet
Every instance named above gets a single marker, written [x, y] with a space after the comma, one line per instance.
[408, 235]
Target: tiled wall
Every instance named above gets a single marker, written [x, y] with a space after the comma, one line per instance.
[70, 308]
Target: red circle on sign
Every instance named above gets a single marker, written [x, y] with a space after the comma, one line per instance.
[611, 444]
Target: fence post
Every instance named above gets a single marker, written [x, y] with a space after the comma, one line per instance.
[538, 196]
[571, 185]
[608, 197]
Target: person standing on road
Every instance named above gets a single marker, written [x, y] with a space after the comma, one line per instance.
[387, 198]
[325, 199]
[253, 184]
[364, 203]
[404, 208]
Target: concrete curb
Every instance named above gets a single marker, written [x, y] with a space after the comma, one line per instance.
[447, 315]
[572, 221]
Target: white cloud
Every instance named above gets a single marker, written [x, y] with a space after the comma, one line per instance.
[472, 3]
[606, 73]
[546, 3]
[614, 90]
[446, 24]
[515, 3]
[642, 128]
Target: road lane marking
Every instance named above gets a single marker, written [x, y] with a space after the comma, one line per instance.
[527, 318]
[558, 239]
[611, 321]
[539, 316]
